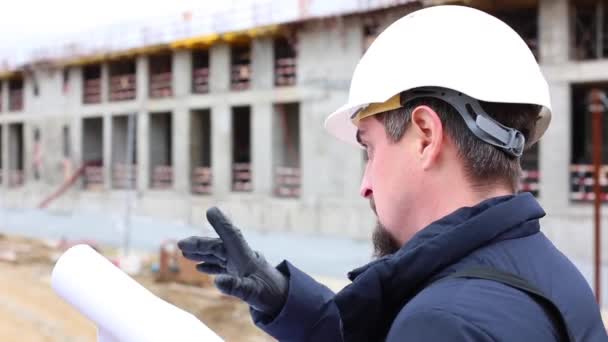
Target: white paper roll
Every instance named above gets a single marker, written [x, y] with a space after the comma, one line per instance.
[122, 309]
[104, 336]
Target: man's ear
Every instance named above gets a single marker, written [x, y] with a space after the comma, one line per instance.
[428, 135]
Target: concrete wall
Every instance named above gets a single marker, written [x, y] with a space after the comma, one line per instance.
[328, 52]
[322, 86]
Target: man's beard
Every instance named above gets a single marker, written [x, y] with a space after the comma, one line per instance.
[383, 241]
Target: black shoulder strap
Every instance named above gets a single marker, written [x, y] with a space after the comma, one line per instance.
[519, 283]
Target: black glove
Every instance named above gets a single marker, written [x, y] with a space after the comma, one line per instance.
[242, 273]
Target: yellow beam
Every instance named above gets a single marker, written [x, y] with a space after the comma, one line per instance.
[234, 37]
[84, 60]
[144, 50]
[5, 75]
[195, 42]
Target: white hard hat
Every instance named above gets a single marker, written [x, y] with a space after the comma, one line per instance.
[453, 47]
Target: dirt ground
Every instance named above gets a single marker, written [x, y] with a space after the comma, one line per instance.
[30, 310]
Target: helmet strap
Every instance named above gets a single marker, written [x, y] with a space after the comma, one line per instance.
[479, 122]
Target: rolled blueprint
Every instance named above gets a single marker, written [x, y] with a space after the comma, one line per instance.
[121, 308]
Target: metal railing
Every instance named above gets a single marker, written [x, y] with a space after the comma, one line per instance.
[160, 85]
[200, 81]
[202, 180]
[122, 87]
[285, 71]
[93, 178]
[124, 176]
[287, 182]
[91, 92]
[241, 177]
[240, 77]
[162, 177]
[581, 182]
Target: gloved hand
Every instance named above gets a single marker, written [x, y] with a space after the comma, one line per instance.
[241, 272]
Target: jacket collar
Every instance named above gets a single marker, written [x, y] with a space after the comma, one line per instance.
[381, 288]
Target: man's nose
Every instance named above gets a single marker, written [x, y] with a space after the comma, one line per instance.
[366, 189]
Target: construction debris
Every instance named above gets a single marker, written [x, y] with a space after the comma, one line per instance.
[175, 268]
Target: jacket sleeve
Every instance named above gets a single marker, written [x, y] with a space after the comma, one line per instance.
[436, 325]
[309, 313]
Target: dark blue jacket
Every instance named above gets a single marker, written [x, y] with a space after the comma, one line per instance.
[395, 298]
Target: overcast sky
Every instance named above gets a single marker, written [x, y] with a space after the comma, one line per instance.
[31, 23]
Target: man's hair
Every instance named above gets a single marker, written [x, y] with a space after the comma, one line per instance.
[484, 164]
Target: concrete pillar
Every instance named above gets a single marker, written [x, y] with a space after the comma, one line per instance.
[554, 31]
[262, 147]
[75, 87]
[105, 82]
[30, 101]
[143, 150]
[181, 151]
[28, 151]
[262, 63]
[142, 78]
[219, 68]
[182, 84]
[76, 137]
[554, 167]
[107, 151]
[182, 73]
[221, 154]
[5, 155]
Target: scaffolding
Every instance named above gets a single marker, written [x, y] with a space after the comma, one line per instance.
[91, 90]
[240, 66]
[92, 153]
[200, 71]
[122, 80]
[581, 168]
[160, 71]
[590, 30]
[161, 165]
[524, 21]
[241, 149]
[200, 151]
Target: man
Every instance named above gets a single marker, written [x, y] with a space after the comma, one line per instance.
[444, 101]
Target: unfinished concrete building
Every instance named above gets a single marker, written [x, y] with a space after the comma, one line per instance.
[233, 117]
